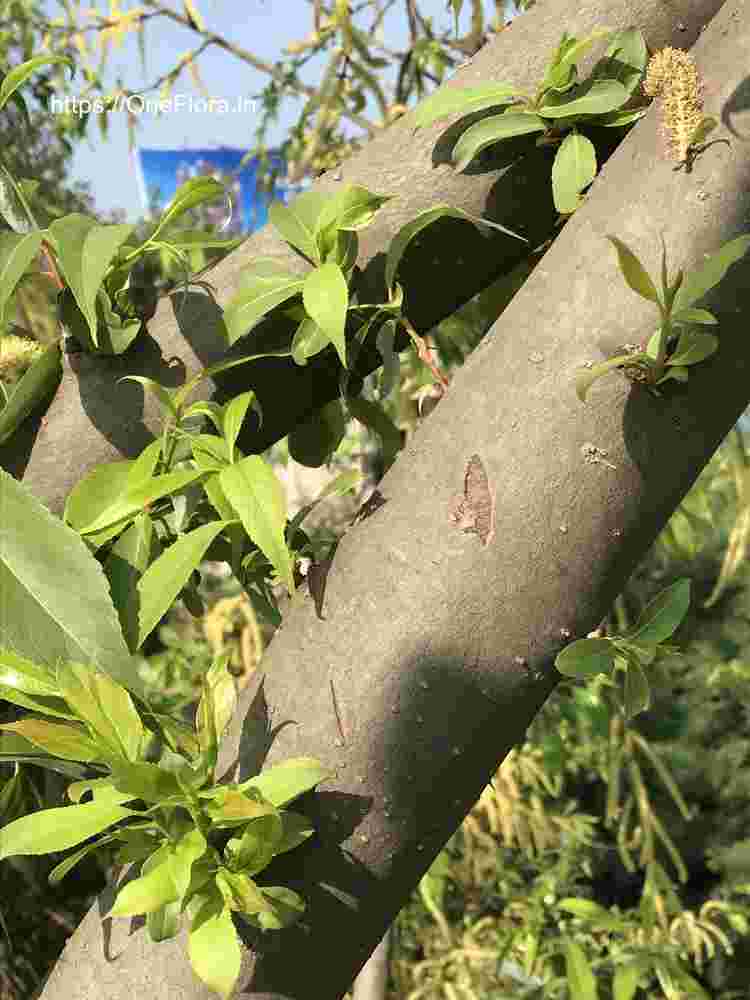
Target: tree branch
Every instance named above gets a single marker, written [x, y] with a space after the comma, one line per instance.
[452, 263]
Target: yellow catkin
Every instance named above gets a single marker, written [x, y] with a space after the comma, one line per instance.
[672, 75]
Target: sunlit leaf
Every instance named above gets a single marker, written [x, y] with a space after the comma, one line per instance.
[258, 497]
[574, 168]
[326, 298]
[492, 130]
[465, 100]
[58, 829]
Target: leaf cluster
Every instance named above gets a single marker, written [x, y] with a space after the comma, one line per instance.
[674, 346]
[561, 107]
[324, 306]
[200, 844]
[632, 651]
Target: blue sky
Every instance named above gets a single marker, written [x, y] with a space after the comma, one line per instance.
[265, 27]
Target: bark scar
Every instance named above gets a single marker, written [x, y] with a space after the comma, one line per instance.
[474, 510]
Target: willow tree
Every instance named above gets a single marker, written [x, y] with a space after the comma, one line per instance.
[436, 645]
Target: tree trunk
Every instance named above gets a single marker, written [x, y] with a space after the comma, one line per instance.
[439, 650]
[454, 261]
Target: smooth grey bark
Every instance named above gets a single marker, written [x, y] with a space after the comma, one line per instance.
[440, 651]
[105, 421]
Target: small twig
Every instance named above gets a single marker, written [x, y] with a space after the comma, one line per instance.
[337, 713]
[47, 254]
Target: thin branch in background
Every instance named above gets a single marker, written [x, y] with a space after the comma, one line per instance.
[411, 15]
[246, 56]
[173, 73]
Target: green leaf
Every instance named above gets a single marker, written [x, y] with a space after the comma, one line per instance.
[706, 126]
[179, 734]
[624, 60]
[126, 563]
[142, 780]
[240, 892]
[568, 53]
[190, 239]
[589, 911]
[384, 342]
[60, 871]
[55, 598]
[261, 837]
[696, 283]
[94, 494]
[593, 97]
[105, 707]
[229, 806]
[235, 412]
[573, 170]
[142, 469]
[351, 208]
[467, 100]
[134, 501]
[585, 377]
[212, 945]
[265, 285]
[678, 373]
[625, 982]
[313, 442]
[581, 979]
[102, 789]
[693, 347]
[489, 131]
[326, 298]
[165, 578]
[26, 676]
[345, 251]
[152, 890]
[702, 316]
[287, 781]
[298, 223]
[585, 658]
[661, 616]
[164, 922]
[44, 704]
[258, 497]
[637, 691]
[209, 451]
[634, 272]
[20, 74]
[189, 848]
[68, 768]
[58, 829]
[296, 829]
[16, 253]
[84, 251]
[115, 333]
[286, 907]
[194, 192]
[56, 738]
[36, 385]
[309, 340]
[617, 119]
[214, 713]
[11, 206]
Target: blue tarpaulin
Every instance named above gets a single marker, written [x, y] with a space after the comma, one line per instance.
[163, 171]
